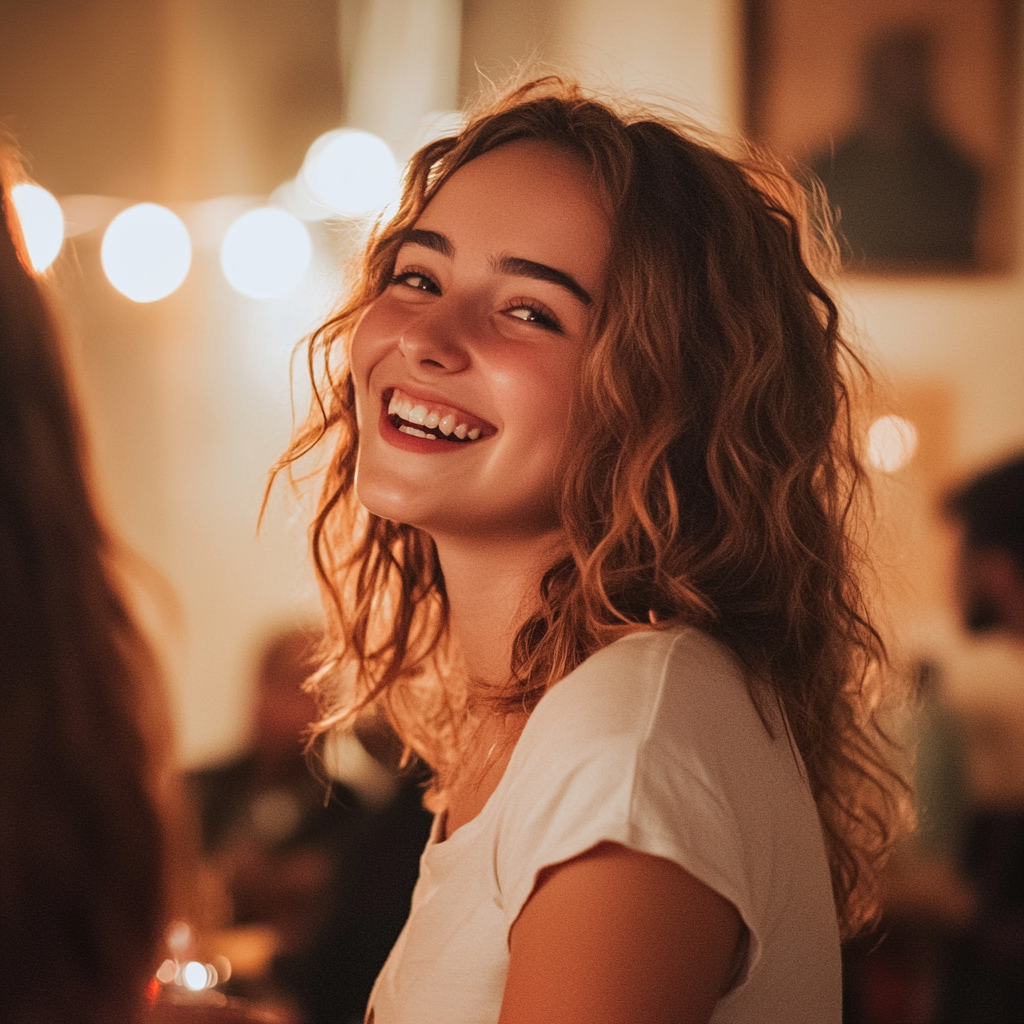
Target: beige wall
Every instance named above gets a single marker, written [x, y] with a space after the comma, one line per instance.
[680, 51]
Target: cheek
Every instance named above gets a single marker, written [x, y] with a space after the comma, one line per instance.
[370, 344]
[539, 391]
[367, 344]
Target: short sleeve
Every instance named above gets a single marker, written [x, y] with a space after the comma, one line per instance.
[618, 754]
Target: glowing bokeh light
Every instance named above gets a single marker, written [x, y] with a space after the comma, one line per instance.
[352, 172]
[179, 936]
[892, 442]
[223, 967]
[266, 253]
[146, 252]
[42, 223]
[194, 975]
[167, 972]
[294, 197]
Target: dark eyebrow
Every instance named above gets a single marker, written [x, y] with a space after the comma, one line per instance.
[518, 267]
[515, 266]
[431, 240]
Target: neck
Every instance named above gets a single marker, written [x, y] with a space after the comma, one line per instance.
[492, 589]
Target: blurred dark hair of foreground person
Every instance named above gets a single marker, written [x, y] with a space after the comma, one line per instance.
[84, 737]
[81, 734]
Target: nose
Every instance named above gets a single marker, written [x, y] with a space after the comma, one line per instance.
[433, 342]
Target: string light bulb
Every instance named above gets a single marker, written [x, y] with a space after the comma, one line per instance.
[352, 172]
[146, 252]
[892, 443]
[42, 223]
[266, 253]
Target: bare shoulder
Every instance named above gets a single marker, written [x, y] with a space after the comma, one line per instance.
[614, 934]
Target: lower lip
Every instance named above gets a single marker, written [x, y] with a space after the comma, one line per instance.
[410, 442]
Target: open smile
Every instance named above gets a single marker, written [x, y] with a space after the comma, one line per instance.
[433, 420]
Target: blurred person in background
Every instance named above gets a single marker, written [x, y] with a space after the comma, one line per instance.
[951, 946]
[984, 975]
[327, 869]
[988, 515]
[262, 813]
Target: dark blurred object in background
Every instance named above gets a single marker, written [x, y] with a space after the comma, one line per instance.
[328, 878]
[905, 193]
[988, 511]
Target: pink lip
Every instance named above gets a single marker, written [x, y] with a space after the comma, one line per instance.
[425, 445]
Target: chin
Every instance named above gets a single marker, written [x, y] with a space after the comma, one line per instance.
[385, 502]
[398, 501]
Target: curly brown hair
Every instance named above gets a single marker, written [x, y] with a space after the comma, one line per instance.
[710, 479]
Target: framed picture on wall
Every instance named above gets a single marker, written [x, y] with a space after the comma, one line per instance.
[907, 111]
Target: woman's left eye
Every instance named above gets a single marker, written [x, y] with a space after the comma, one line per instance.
[415, 279]
[533, 314]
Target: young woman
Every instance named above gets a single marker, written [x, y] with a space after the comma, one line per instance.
[584, 539]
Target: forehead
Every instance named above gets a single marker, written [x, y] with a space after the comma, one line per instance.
[528, 199]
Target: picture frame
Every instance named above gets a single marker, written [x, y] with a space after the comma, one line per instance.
[907, 111]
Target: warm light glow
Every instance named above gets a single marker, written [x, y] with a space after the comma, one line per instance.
[179, 936]
[266, 253]
[352, 172]
[167, 972]
[42, 223]
[146, 252]
[346, 759]
[194, 975]
[223, 967]
[892, 442]
[293, 196]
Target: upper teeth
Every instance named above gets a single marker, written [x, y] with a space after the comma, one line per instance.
[418, 413]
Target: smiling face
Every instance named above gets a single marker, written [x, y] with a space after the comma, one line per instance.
[464, 367]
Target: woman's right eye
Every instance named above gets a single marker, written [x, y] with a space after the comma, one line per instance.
[418, 280]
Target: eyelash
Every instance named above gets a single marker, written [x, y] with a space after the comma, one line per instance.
[403, 279]
[541, 316]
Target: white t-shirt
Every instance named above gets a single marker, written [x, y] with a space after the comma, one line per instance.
[652, 743]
